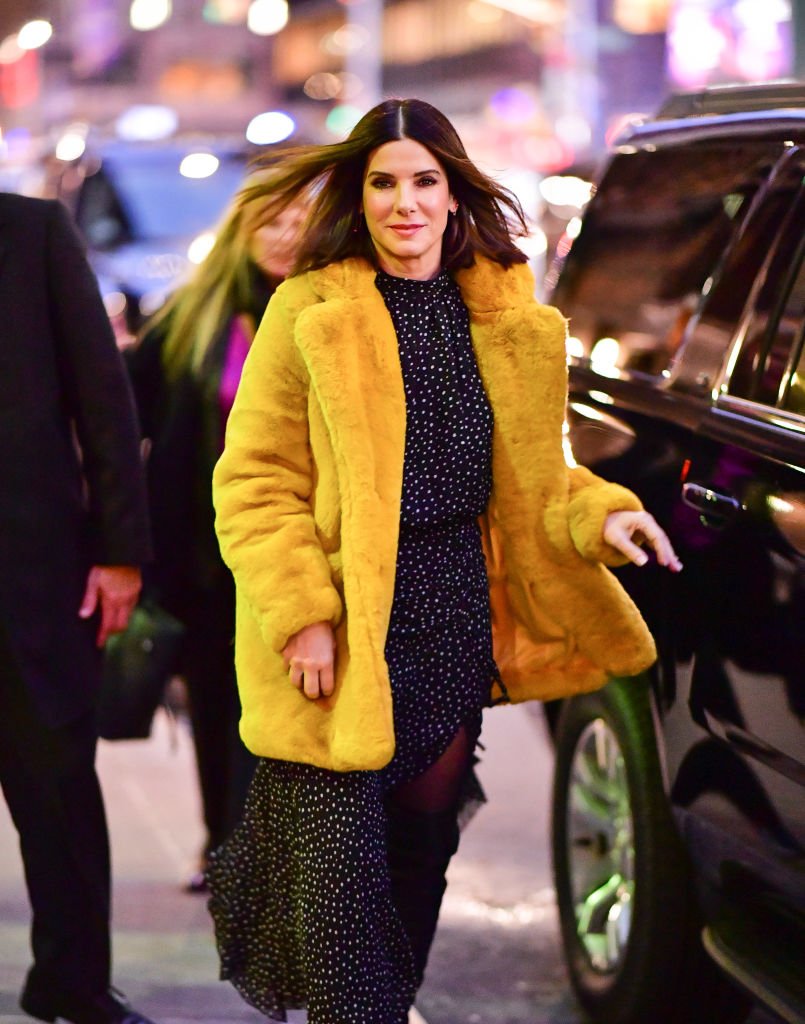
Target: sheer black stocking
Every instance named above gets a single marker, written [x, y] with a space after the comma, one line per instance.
[422, 837]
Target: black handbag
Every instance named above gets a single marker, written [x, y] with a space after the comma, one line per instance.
[137, 665]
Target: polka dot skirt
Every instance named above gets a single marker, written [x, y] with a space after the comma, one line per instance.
[301, 897]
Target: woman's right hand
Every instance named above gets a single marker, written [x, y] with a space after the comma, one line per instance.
[310, 658]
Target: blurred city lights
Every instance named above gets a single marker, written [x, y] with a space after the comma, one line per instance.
[573, 229]
[604, 357]
[346, 40]
[72, 143]
[574, 129]
[534, 244]
[322, 85]
[199, 248]
[34, 34]
[199, 165]
[565, 190]
[145, 15]
[574, 347]
[115, 303]
[514, 105]
[713, 41]
[151, 301]
[484, 13]
[267, 17]
[10, 50]
[226, 12]
[325, 85]
[540, 11]
[147, 122]
[641, 16]
[342, 119]
[270, 127]
[351, 84]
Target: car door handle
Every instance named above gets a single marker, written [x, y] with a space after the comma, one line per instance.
[715, 509]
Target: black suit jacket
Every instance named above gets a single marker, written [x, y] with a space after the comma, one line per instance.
[72, 492]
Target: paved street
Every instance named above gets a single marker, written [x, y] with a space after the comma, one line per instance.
[495, 956]
[495, 959]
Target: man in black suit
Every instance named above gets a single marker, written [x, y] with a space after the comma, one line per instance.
[73, 533]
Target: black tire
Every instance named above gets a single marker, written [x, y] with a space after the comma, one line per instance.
[629, 922]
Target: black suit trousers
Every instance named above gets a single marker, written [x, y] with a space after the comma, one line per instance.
[52, 791]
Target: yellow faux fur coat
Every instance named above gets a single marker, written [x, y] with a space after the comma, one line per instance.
[307, 494]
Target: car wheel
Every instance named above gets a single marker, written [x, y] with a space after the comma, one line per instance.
[626, 906]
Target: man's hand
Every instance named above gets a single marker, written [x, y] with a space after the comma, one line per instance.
[309, 657]
[115, 588]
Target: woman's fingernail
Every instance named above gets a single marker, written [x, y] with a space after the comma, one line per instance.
[641, 559]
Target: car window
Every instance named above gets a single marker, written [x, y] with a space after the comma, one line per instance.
[792, 325]
[652, 241]
[144, 197]
[99, 213]
[760, 365]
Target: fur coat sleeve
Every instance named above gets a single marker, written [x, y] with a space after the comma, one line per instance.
[263, 485]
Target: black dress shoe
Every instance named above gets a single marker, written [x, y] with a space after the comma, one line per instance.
[108, 1008]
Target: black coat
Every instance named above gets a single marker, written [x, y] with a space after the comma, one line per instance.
[73, 493]
[182, 420]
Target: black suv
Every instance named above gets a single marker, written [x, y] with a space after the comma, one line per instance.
[679, 796]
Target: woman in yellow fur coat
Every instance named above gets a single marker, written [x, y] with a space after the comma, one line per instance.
[409, 546]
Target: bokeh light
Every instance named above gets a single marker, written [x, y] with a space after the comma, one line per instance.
[147, 122]
[10, 50]
[199, 165]
[145, 15]
[267, 17]
[514, 105]
[199, 248]
[322, 85]
[605, 356]
[346, 40]
[34, 34]
[270, 127]
[565, 190]
[72, 143]
[342, 119]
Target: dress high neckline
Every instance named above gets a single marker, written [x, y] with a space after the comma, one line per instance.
[390, 281]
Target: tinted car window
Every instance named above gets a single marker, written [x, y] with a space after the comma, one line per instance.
[760, 365]
[792, 324]
[142, 196]
[661, 221]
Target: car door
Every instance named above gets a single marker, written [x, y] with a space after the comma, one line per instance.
[679, 280]
[742, 518]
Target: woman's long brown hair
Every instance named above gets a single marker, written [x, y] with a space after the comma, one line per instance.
[489, 216]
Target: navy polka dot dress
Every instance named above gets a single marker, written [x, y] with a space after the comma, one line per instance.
[301, 895]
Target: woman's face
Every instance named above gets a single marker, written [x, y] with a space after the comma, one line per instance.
[273, 244]
[406, 203]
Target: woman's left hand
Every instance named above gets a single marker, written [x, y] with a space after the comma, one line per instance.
[626, 531]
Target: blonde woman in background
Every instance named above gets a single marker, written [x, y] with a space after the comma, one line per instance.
[185, 371]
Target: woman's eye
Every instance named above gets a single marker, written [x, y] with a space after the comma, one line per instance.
[427, 180]
[381, 183]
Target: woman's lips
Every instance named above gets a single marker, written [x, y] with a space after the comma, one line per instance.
[406, 230]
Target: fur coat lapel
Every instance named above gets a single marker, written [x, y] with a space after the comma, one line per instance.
[348, 342]
[349, 345]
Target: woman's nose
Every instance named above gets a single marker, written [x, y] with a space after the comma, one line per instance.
[405, 200]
